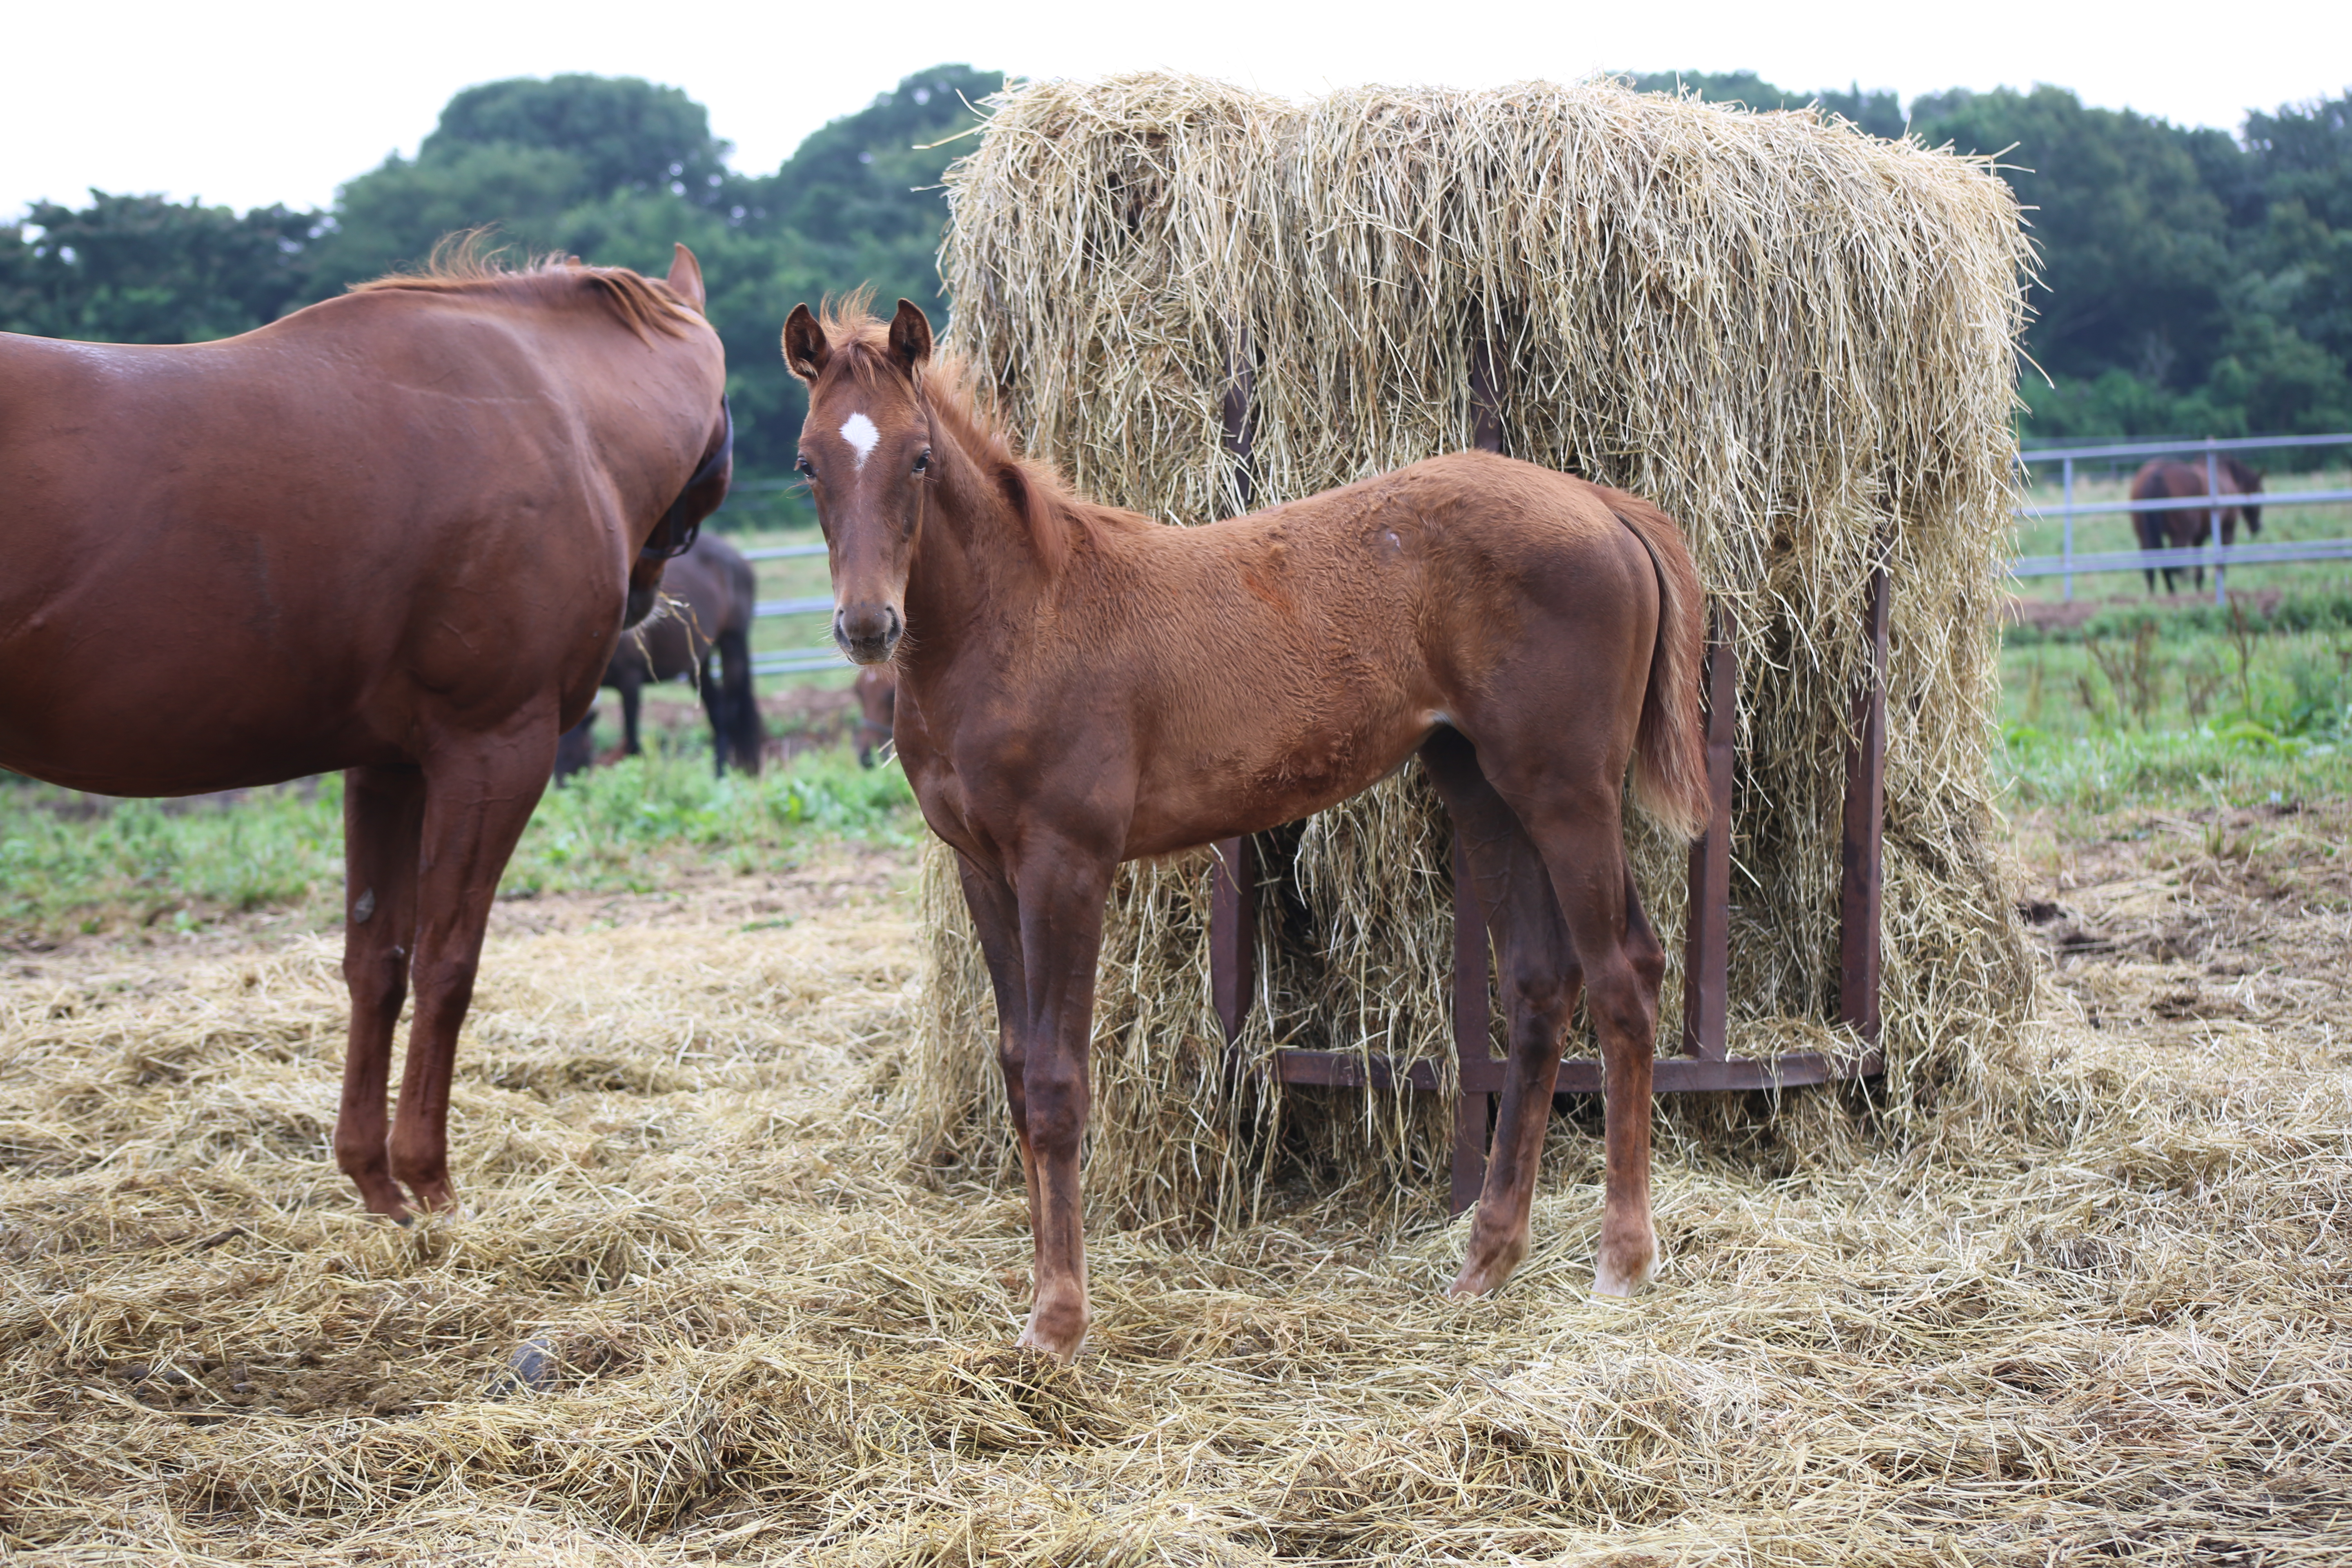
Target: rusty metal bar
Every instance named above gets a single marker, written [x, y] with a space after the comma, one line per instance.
[1706, 945]
[1233, 933]
[1673, 1074]
[1480, 1074]
[1860, 850]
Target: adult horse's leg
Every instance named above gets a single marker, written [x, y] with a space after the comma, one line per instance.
[479, 795]
[996, 916]
[1539, 984]
[1061, 887]
[383, 816]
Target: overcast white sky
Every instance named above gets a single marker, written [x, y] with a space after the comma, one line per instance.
[252, 101]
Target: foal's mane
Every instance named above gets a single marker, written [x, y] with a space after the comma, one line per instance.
[464, 263]
[1058, 518]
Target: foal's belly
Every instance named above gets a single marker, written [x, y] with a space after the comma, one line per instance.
[1217, 798]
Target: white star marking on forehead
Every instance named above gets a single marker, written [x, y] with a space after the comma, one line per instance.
[859, 432]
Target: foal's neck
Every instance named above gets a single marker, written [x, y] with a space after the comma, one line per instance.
[977, 570]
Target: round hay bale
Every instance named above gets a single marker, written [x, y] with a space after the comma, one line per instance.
[1799, 340]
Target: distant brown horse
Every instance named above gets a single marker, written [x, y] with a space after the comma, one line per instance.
[876, 689]
[392, 534]
[1079, 687]
[2183, 527]
[703, 632]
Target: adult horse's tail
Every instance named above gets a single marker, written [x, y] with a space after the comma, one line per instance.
[1670, 751]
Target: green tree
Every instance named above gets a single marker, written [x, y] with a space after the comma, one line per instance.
[142, 270]
[1878, 112]
[863, 190]
[622, 132]
[393, 215]
[2135, 250]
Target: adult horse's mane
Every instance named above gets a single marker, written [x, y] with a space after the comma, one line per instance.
[462, 266]
[1058, 518]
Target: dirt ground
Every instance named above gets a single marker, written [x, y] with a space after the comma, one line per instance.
[2094, 1305]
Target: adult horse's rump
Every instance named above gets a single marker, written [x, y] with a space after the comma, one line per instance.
[2181, 528]
[1079, 687]
[392, 534]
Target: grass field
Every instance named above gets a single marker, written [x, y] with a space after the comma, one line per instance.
[2087, 1302]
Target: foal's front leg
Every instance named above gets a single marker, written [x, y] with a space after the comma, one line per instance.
[996, 918]
[1061, 891]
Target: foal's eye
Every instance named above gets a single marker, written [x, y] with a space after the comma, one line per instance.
[923, 461]
[806, 467]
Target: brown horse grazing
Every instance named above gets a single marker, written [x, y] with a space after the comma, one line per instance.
[709, 598]
[1079, 685]
[403, 523]
[876, 687]
[2184, 527]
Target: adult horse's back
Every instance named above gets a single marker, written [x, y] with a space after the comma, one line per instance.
[392, 534]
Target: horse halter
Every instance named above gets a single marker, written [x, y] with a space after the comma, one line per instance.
[672, 537]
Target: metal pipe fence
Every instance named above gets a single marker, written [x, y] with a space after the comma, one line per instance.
[2068, 563]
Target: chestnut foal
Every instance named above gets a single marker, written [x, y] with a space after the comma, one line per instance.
[1079, 685]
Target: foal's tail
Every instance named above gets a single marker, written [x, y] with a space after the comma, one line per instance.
[1670, 752]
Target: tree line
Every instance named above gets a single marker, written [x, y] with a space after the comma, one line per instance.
[2192, 283]
[611, 170]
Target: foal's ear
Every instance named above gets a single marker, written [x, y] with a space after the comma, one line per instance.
[686, 278]
[805, 349]
[910, 336]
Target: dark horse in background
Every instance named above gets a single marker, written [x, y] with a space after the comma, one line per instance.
[1080, 686]
[408, 521]
[2182, 527]
[709, 597]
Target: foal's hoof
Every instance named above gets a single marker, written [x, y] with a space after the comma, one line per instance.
[1622, 1276]
[1059, 1334]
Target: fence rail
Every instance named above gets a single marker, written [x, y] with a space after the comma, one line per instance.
[2069, 563]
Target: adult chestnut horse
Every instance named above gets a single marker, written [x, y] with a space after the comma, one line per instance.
[1079, 685]
[392, 534]
[2180, 528]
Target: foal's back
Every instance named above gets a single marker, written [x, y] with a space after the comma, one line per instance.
[1296, 655]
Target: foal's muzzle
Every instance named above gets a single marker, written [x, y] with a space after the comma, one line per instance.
[866, 633]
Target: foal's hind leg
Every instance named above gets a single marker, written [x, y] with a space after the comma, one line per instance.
[1539, 984]
[479, 791]
[1583, 843]
[383, 813]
